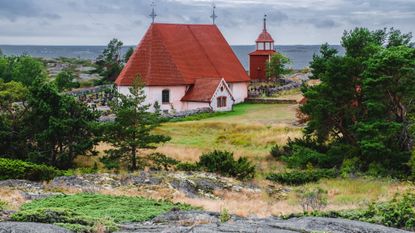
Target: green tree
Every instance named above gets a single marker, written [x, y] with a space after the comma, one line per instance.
[365, 97]
[12, 110]
[59, 128]
[128, 54]
[26, 69]
[133, 126]
[110, 61]
[66, 80]
[277, 66]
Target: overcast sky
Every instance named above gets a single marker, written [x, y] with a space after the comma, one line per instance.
[95, 22]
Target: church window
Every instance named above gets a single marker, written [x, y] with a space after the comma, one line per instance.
[165, 96]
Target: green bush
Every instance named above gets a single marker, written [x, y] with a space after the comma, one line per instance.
[17, 169]
[276, 151]
[350, 167]
[186, 166]
[161, 161]
[222, 162]
[302, 177]
[301, 157]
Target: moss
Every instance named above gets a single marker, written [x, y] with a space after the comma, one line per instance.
[90, 210]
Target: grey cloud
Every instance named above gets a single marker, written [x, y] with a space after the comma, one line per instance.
[97, 21]
[14, 9]
[324, 23]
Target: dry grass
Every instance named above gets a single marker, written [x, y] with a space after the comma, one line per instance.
[12, 197]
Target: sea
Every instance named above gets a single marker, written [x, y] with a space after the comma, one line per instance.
[300, 55]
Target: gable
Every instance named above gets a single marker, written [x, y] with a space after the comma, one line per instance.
[178, 54]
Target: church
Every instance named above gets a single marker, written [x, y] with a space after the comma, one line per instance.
[186, 67]
[191, 66]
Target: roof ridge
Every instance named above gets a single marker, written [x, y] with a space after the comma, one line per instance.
[204, 51]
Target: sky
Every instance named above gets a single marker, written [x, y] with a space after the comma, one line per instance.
[290, 22]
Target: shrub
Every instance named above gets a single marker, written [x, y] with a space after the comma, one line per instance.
[224, 215]
[303, 156]
[186, 166]
[378, 170]
[17, 169]
[350, 167]
[3, 205]
[161, 161]
[312, 199]
[302, 177]
[277, 151]
[222, 162]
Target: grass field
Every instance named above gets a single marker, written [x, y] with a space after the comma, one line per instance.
[249, 130]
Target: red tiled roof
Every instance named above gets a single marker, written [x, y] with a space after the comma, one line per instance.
[264, 37]
[203, 90]
[263, 52]
[177, 54]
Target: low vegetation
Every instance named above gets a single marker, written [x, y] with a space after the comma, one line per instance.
[302, 177]
[222, 162]
[398, 212]
[86, 212]
[17, 169]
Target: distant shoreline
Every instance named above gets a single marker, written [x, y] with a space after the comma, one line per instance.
[300, 55]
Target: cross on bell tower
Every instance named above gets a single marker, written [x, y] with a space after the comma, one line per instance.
[153, 14]
[265, 23]
[213, 16]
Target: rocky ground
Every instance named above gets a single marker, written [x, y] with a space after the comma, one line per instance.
[205, 222]
[157, 184]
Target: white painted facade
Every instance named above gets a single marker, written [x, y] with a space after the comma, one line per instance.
[239, 91]
[153, 94]
[222, 91]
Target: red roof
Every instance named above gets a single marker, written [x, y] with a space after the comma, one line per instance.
[263, 52]
[202, 90]
[264, 37]
[178, 54]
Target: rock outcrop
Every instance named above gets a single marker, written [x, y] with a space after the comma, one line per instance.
[30, 227]
[204, 222]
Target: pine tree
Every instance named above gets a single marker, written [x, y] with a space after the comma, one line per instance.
[133, 126]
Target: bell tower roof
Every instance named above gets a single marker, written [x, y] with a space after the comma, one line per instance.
[264, 36]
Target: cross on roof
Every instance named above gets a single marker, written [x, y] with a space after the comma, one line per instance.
[153, 14]
[214, 16]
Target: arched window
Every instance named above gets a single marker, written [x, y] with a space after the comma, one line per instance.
[165, 96]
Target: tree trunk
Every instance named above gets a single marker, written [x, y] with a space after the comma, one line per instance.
[133, 158]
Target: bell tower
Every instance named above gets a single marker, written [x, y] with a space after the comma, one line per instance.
[264, 50]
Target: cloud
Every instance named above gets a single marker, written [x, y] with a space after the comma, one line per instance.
[15, 9]
[289, 21]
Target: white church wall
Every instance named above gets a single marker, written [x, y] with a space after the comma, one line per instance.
[195, 105]
[154, 93]
[239, 91]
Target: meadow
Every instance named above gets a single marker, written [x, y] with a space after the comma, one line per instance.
[251, 130]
